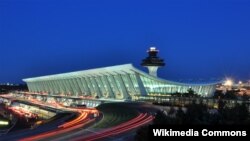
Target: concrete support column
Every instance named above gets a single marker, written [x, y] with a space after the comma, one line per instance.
[123, 87]
[80, 85]
[115, 88]
[97, 88]
[76, 87]
[141, 86]
[90, 84]
[64, 86]
[67, 86]
[102, 86]
[130, 84]
[73, 91]
[86, 87]
[110, 90]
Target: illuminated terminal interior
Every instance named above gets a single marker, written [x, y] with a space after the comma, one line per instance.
[116, 82]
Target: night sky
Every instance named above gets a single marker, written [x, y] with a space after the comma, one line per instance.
[199, 39]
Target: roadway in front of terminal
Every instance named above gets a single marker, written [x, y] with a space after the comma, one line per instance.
[83, 126]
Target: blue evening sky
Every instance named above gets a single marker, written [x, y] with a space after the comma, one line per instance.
[199, 39]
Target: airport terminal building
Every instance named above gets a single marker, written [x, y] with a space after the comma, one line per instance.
[116, 82]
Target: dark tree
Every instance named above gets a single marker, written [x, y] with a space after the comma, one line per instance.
[245, 97]
[218, 94]
[231, 94]
[221, 105]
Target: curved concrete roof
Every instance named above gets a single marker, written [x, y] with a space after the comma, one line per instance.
[112, 70]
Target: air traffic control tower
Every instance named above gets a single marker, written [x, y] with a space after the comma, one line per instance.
[153, 62]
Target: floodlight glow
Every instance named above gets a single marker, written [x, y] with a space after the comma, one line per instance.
[228, 82]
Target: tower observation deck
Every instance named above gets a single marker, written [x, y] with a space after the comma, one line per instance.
[153, 62]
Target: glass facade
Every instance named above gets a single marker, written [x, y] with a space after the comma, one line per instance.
[154, 86]
[117, 82]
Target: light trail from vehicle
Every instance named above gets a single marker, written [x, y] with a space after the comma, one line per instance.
[79, 122]
[140, 120]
